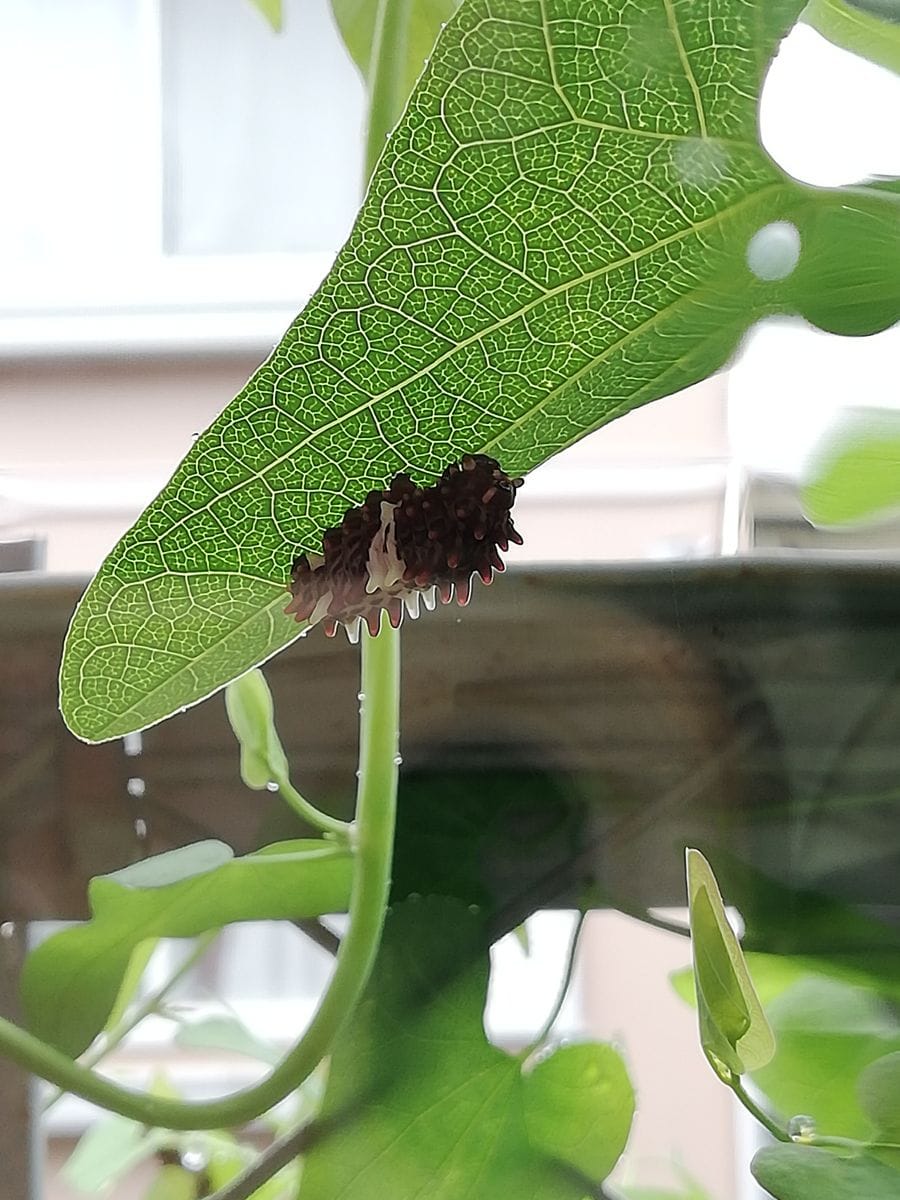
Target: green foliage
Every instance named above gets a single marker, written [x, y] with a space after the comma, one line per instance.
[805, 1173]
[358, 20]
[248, 703]
[856, 472]
[460, 1119]
[109, 1150]
[826, 1032]
[271, 10]
[225, 1032]
[872, 31]
[561, 229]
[579, 1105]
[179, 894]
[733, 1027]
[879, 1095]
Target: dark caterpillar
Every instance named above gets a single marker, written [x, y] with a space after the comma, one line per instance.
[405, 542]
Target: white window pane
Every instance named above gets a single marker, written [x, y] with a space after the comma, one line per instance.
[262, 131]
[78, 134]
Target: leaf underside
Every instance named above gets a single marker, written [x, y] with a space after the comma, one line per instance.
[162, 898]
[419, 1103]
[556, 233]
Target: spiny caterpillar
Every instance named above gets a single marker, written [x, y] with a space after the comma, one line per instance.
[405, 542]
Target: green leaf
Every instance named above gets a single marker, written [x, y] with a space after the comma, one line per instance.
[579, 1105]
[826, 1032]
[110, 1148]
[225, 1032]
[419, 1103]
[807, 1173]
[271, 10]
[855, 474]
[173, 1183]
[853, 28]
[357, 21]
[879, 1096]
[131, 981]
[733, 1026]
[251, 713]
[179, 894]
[573, 218]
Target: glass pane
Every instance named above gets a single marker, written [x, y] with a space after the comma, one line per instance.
[263, 145]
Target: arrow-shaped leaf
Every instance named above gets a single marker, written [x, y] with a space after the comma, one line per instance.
[573, 218]
[181, 893]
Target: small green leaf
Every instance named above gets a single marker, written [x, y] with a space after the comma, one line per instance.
[879, 1095]
[579, 1105]
[248, 703]
[271, 10]
[853, 28]
[357, 20]
[827, 1032]
[855, 474]
[733, 1026]
[179, 894]
[173, 1183]
[807, 1173]
[110, 1148]
[225, 1032]
[131, 981]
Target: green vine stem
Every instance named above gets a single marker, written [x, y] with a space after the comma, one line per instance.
[387, 89]
[734, 1082]
[571, 958]
[372, 841]
[108, 1042]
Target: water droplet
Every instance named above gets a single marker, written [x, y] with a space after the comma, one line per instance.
[8, 930]
[801, 1128]
[271, 786]
[360, 696]
[358, 773]
[474, 909]
[398, 759]
[774, 251]
[132, 744]
[193, 1160]
[135, 787]
[140, 828]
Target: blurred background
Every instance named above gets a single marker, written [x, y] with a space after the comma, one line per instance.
[179, 179]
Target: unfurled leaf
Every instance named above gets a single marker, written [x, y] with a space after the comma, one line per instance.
[418, 1103]
[826, 1032]
[271, 10]
[855, 474]
[870, 30]
[173, 1183]
[807, 1173]
[733, 1026]
[879, 1095]
[573, 218]
[225, 1032]
[358, 22]
[179, 894]
[251, 713]
[131, 981]
[110, 1148]
[579, 1105]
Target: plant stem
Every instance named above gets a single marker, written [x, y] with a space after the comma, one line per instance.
[116, 1036]
[544, 1033]
[387, 86]
[279, 1155]
[847, 1143]
[309, 813]
[755, 1111]
[373, 835]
